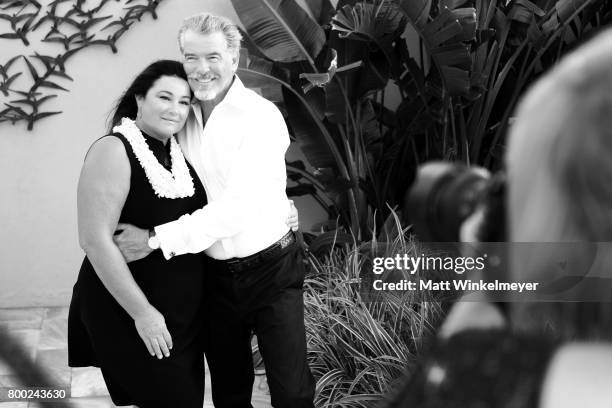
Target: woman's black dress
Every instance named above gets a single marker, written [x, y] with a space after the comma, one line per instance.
[102, 334]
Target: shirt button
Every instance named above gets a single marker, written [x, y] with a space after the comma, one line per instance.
[172, 254]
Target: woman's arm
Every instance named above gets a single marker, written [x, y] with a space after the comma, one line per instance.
[103, 188]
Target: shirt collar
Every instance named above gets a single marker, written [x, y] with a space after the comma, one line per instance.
[233, 97]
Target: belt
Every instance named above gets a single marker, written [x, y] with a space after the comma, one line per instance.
[238, 265]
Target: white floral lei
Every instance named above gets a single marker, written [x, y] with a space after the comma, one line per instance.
[175, 184]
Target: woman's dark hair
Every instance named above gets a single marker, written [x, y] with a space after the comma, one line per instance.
[126, 105]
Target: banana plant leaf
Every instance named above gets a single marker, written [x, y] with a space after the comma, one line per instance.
[446, 38]
[307, 132]
[251, 68]
[566, 9]
[457, 55]
[452, 4]
[369, 21]
[417, 11]
[304, 112]
[281, 29]
[524, 10]
[321, 11]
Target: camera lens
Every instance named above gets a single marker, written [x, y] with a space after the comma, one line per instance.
[442, 197]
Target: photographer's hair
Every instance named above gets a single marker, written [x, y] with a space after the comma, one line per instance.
[563, 132]
[560, 170]
[206, 23]
[126, 105]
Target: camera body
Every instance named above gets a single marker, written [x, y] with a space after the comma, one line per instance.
[445, 194]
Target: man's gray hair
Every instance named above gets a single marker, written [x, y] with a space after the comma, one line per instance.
[206, 23]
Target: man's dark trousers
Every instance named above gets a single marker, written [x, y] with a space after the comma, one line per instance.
[267, 299]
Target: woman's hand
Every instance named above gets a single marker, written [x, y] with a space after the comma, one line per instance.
[152, 329]
[292, 220]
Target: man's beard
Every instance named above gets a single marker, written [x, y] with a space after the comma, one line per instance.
[202, 92]
[205, 94]
[210, 93]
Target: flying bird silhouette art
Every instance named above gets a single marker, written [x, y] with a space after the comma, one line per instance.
[71, 26]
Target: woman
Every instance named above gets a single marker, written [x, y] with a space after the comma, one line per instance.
[558, 169]
[140, 322]
[126, 318]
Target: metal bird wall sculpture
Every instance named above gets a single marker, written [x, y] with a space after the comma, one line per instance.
[71, 26]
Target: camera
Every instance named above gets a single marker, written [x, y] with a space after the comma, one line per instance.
[445, 194]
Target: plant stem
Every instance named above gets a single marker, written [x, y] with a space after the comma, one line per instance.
[330, 142]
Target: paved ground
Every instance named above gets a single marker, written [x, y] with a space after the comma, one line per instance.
[42, 332]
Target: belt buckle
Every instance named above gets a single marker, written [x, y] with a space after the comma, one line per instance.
[286, 240]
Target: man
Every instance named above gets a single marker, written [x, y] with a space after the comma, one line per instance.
[236, 141]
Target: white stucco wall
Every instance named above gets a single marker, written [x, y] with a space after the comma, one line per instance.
[39, 252]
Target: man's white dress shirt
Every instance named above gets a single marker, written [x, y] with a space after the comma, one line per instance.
[240, 158]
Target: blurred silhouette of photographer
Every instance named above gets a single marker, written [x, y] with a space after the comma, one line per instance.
[559, 189]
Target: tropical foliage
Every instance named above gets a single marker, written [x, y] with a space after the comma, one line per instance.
[361, 342]
[373, 88]
[370, 90]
